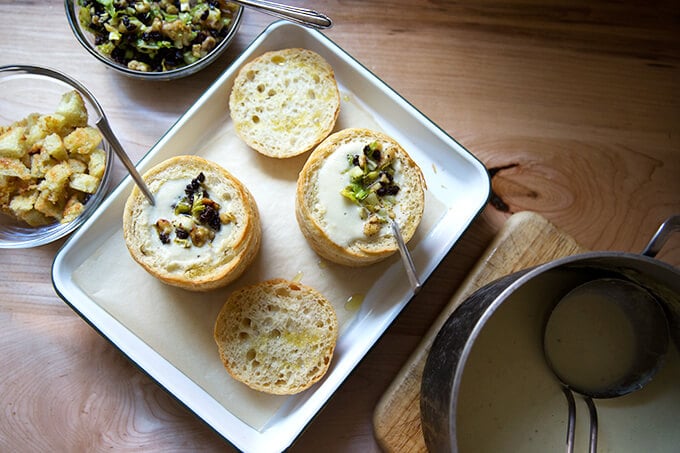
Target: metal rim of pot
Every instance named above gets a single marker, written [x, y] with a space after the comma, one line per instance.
[445, 364]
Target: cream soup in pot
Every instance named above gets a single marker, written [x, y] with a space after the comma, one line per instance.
[509, 399]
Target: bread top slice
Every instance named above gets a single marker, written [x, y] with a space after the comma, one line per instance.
[277, 336]
[200, 242]
[284, 102]
[342, 229]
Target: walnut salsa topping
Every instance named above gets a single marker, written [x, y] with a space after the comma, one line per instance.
[156, 36]
[372, 186]
[196, 217]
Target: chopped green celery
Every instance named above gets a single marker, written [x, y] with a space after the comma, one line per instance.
[151, 46]
[114, 35]
[137, 23]
[371, 177]
[372, 188]
[361, 193]
[371, 200]
[214, 15]
[189, 57]
[348, 193]
[155, 10]
[185, 17]
[356, 173]
[386, 165]
[147, 46]
[106, 48]
[108, 7]
[84, 17]
[197, 10]
[198, 207]
[183, 207]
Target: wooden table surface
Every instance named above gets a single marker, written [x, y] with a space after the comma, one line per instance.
[573, 106]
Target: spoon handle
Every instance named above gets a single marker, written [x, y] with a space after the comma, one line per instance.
[405, 256]
[110, 137]
[661, 236]
[304, 16]
[593, 425]
[571, 421]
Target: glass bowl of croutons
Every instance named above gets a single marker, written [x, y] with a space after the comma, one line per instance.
[54, 162]
[154, 40]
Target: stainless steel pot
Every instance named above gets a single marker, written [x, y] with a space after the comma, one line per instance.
[450, 351]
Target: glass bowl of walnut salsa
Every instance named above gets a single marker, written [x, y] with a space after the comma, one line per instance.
[155, 40]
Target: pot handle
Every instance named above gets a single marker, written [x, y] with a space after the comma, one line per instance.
[661, 236]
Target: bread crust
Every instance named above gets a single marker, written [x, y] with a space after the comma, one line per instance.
[219, 262]
[369, 250]
[277, 336]
[284, 102]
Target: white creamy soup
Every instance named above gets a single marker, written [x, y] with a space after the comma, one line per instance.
[343, 222]
[510, 401]
[178, 258]
[590, 340]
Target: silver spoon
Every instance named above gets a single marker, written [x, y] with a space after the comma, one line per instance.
[104, 127]
[618, 330]
[303, 16]
[405, 257]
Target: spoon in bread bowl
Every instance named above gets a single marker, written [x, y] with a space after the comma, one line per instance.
[302, 16]
[405, 257]
[104, 127]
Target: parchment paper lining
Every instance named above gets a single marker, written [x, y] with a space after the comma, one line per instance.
[178, 324]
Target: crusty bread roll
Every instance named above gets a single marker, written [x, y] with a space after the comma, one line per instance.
[285, 102]
[277, 336]
[346, 190]
[204, 229]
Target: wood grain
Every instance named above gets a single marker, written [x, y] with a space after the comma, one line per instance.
[525, 240]
[575, 103]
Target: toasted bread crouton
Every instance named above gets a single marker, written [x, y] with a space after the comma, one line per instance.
[46, 205]
[40, 164]
[97, 163]
[44, 126]
[77, 166]
[73, 109]
[84, 183]
[13, 143]
[72, 209]
[7, 190]
[56, 179]
[54, 146]
[23, 207]
[14, 167]
[82, 140]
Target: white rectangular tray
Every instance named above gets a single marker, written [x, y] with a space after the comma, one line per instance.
[168, 332]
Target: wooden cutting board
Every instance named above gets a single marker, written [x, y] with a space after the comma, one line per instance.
[525, 240]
